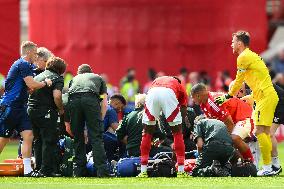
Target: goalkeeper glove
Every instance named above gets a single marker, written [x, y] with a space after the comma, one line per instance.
[221, 99]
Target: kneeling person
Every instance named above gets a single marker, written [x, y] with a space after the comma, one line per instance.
[213, 143]
[234, 113]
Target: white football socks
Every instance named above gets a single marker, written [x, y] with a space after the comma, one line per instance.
[27, 165]
[181, 168]
[143, 168]
[275, 161]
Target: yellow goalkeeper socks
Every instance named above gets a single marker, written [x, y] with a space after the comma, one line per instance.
[265, 146]
[270, 144]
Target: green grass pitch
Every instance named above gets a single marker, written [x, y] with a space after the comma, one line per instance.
[136, 183]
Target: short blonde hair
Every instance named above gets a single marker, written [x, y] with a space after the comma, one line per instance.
[27, 46]
[140, 100]
[243, 36]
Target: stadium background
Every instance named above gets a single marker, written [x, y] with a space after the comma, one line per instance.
[114, 35]
[165, 35]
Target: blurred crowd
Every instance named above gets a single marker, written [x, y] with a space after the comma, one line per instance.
[129, 86]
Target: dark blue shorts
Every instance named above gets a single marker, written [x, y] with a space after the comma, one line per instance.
[12, 118]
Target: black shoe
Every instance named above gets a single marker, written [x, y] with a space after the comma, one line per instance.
[253, 170]
[277, 170]
[228, 167]
[105, 175]
[53, 175]
[80, 174]
[215, 167]
[218, 170]
[34, 174]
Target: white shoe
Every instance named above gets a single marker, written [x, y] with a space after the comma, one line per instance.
[266, 171]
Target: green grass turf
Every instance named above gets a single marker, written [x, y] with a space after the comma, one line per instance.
[10, 151]
[137, 183]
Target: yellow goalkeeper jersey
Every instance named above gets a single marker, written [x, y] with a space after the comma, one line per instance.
[252, 70]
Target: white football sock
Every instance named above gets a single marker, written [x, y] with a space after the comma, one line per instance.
[27, 165]
[143, 168]
[181, 168]
[275, 162]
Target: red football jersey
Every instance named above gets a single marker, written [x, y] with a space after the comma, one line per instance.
[238, 109]
[212, 110]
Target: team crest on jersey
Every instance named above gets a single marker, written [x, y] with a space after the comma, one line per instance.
[276, 119]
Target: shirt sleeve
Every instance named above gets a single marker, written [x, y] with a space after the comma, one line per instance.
[121, 131]
[197, 132]
[58, 84]
[113, 117]
[242, 65]
[103, 88]
[25, 69]
[191, 116]
[110, 118]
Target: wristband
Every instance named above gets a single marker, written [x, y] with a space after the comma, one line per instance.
[227, 96]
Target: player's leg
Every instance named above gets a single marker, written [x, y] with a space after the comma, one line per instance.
[27, 150]
[242, 147]
[254, 148]
[5, 125]
[242, 130]
[263, 116]
[273, 129]
[152, 110]
[145, 147]
[3, 142]
[265, 145]
[276, 166]
[171, 110]
[179, 146]
[25, 129]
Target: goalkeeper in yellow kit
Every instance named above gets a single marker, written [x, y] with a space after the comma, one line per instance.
[252, 70]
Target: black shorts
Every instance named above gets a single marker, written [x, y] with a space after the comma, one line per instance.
[279, 113]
